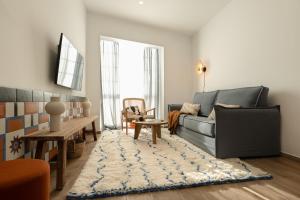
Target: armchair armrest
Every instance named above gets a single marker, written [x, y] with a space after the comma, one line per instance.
[148, 110]
[247, 132]
[172, 107]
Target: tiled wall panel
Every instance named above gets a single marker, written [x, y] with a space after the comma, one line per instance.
[22, 112]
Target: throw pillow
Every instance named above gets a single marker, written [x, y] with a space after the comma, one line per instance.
[212, 115]
[133, 110]
[189, 108]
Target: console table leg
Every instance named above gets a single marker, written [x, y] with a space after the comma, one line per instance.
[61, 164]
[83, 133]
[94, 131]
[40, 150]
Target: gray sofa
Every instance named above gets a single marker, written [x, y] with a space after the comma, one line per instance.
[250, 131]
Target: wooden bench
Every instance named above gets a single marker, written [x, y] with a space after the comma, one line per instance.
[69, 128]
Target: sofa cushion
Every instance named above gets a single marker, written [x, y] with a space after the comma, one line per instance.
[206, 101]
[245, 97]
[201, 125]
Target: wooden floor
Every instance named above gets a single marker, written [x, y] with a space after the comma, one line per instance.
[284, 185]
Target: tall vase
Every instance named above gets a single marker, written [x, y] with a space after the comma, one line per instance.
[55, 108]
[86, 105]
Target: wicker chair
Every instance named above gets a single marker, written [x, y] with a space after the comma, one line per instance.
[129, 117]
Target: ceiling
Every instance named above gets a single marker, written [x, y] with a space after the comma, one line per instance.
[186, 16]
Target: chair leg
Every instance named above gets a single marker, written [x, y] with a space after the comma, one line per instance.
[122, 123]
[126, 128]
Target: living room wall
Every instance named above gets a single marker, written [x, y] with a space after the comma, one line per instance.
[177, 51]
[256, 43]
[30, 32]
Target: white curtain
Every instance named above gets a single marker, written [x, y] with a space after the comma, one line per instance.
[110, 83]
[152, 79]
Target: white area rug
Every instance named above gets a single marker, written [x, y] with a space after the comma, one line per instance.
[121, 165]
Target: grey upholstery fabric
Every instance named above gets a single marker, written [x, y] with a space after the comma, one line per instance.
[200, 125]
[263, 99]
[245, 97]
[206, 100]
[204, 142]
[172, 107]
[181, 119]
[247, 132]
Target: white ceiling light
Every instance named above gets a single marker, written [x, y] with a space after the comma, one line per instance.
[141, 2]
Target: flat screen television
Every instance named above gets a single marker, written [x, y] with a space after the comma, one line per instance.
[70, 65]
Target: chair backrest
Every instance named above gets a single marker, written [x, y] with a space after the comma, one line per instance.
[127, 102]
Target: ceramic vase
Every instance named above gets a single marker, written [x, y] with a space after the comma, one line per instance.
[86, 105]
[55, 108]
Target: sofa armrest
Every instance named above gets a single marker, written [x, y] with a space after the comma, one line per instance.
[247, 132]
[172, 107]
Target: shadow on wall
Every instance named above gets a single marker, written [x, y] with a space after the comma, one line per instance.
[52, 58]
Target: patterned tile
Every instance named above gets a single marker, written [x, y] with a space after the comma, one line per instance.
[31, 107]
[8, 94]
[43, 118]
[20, 108]
[47, 156]
[31, 129]
[2, 110]
[41, 107]
[2, 147]
[2, 126]
[24, 95]
[14, 123]
[35, 119]
[27, 121]
[43, 126]
[14, 146]
[37, 96]
[27, 155]
[9, 109]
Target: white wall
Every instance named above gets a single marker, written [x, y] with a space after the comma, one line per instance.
[256, 42]
[177, 51]
[29, 35]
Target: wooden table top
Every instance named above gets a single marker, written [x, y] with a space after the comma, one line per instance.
[68, 129]
[152, 122]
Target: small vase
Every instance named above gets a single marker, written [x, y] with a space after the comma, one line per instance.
[55, 108]
[86, 105]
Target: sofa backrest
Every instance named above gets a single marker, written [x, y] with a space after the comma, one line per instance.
[206, 101]
[245, 97]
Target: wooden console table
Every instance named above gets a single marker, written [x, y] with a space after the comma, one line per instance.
[69, 128]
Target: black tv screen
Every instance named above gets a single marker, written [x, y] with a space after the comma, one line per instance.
[70, 65]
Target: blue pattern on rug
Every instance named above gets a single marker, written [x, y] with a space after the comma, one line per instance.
[120, 165]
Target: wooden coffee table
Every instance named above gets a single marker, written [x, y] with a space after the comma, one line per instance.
[155, 125]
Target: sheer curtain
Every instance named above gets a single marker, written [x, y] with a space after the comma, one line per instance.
[152, 79]
[110, 83]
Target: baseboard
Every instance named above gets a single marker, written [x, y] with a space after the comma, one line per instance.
[290, 156]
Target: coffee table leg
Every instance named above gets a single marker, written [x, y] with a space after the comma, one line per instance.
[154, 132]
[137, 130]
[159, 131]
[61, 164]
[94, 131]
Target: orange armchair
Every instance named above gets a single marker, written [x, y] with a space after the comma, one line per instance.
[25, 179]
